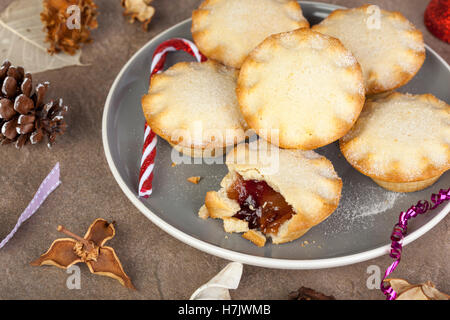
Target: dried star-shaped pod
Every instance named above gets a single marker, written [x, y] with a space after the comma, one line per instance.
[424, 291]
[91, 250]
[309, 294]
[139, 10]
[57, 20]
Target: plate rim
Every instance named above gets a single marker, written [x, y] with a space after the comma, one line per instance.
[234, 255]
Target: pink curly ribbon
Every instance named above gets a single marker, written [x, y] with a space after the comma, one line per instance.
[150, 139]
[400, 231]
[50, 183]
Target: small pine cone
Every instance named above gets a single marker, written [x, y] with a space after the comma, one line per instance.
[24, 117]
[309, 294]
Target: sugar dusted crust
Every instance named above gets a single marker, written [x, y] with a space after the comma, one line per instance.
[305, 179]
[303, 83]
[401, 138]
[227, 30]
[390, 55]
[199, 152]
[194, 107]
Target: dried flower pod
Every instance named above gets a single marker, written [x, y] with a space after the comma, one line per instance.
[90, 249]
[424, 291]
[55, 18]
[139, 10]
[309, 294]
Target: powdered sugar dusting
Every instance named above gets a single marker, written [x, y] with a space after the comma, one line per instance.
[307, 90]
[396, 43]
[370, 209]
[196, 101]
[239, 26]
[359, 205]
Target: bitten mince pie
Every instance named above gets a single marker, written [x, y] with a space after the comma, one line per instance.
[401, 141]
[227, 30]
[271, 192]
[388, 47]
[304, 84]
[193, 106]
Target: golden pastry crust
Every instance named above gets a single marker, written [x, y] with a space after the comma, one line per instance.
[256, 237]
[401, 139]
[407, 186]
[200, 152]
[389, 48]
[305, 85]
[193, 106]
[227, 30]
[306, 180]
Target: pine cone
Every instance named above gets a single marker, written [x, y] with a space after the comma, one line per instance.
[24, 117]
[309, 294]
[57, 21]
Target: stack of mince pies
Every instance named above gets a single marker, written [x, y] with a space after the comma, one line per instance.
[299, 88]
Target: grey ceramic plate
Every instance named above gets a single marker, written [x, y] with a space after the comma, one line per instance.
[360, 228]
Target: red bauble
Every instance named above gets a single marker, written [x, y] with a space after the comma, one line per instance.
[437, 19]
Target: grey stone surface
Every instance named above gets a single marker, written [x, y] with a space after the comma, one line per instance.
[160, 266]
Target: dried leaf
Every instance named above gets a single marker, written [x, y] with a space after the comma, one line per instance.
[431, 292]
[218, 287]
[139, 10]
[23, 39]
[413, 293]
[424, 291]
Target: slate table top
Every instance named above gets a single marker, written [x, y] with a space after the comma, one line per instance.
[160, 266]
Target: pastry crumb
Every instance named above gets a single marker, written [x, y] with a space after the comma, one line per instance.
[256, 237]
[305, 243]
[194, 180]
[203, 212]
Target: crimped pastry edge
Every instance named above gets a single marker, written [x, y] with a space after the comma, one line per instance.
[252, 118]
[393, 176]
[219, 52]
[402, 77]
[239, 132]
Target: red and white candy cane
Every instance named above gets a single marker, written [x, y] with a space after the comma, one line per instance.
[150, 139]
